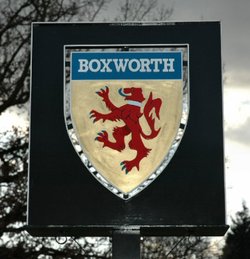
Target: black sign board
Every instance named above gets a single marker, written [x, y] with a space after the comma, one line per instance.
[186, 191]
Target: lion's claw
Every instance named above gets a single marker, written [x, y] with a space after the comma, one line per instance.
[102, 136]
[96, 116]
[103, 91]
[126, 166]
[91, 115]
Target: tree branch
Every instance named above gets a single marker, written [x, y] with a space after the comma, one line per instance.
[13, 97]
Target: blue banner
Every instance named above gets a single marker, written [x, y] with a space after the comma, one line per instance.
[126, 65]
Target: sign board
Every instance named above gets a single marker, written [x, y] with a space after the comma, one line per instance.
[126, 129]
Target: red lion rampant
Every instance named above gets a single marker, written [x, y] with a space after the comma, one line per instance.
[130, 114]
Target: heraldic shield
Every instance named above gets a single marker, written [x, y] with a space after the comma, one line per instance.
[126, 111]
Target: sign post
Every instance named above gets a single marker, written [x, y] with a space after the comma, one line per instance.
[126, 134]
[126, 244]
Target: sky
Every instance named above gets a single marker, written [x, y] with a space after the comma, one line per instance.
[235, 22]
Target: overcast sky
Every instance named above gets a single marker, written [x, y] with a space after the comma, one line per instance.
[235, 19]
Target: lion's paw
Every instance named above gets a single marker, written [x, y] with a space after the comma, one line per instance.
[103, 91]
[126, 166]
[102, 136]
[96, 116]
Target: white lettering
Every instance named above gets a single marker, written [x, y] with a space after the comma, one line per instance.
[106, 67]
[120, 66]
[145, 62]
[156, 62]
[143, 65]
[83, 65]
[96, 67]
[137, 65]
[168, 65]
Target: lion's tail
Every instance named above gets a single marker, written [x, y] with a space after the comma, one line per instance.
[149, 106]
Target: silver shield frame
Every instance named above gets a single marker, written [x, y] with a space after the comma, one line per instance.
[69, 123]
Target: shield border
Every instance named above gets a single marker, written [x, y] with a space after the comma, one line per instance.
[179, 135]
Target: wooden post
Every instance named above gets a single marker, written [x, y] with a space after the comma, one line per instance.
[126, 244]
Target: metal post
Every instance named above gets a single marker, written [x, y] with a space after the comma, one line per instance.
[126, 244]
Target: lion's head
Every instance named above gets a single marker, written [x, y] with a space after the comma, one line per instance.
[133, 93]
